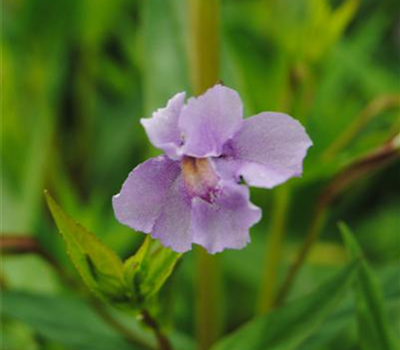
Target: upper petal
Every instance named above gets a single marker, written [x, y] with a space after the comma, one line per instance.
[209, 120]
[145, 192]
[162, 128]
[224, 223]
[268, 150]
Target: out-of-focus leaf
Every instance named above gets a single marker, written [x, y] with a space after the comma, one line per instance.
[385, 219]
[64, 320]
[288, 326]
[312, 27]
[26, 136]
[347, 81]
[98, 265]
[96, 18]
[21, 273]
[342, 318]
[149, 268]
[374, 329]
[164, 56]
[16, 336]
[335, 23]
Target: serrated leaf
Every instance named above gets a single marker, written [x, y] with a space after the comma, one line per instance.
[100, 268]
[373, 323]
[287, 327]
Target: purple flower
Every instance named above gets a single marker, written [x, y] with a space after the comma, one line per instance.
[192, 194]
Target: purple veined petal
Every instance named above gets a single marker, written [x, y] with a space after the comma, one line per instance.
[267, 151]
[145, 192]
[172, 227]
[225, 222]
[209, 120]
[162, 128]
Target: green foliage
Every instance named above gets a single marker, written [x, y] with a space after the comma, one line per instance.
[164, 58]
[149, 268]
[98, 265]
[127, 286]
[64, 320]
[312, 27]
[78, 76]
[341, 321]
[287, 327]
[373, 324]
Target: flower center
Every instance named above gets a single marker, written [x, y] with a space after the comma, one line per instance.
[200, 177]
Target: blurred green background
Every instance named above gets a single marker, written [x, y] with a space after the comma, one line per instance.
[77, 75]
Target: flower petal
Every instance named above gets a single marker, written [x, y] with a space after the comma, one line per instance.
[172, 227]
[268, 150]
[224, 223]
[145, 192]
[162, 129]
[209, 120]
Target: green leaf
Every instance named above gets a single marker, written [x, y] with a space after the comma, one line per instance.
[289, 326]
[100, 268]
[149, 268]
[340, 323]
[334, 21]
[64, 320]
[373, 323]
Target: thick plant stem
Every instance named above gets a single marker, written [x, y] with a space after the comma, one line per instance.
[204, 39]
[204, 55]
[208, 305]
[273, 251]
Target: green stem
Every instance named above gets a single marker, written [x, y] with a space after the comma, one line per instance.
[273, 250]
[162, 340]
[208, 304]
[312, 235]
[204, 51]
[106, 316]
[372, 161]
[374, 108]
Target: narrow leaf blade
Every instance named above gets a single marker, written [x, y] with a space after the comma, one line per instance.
[287, 327]
[373, 323]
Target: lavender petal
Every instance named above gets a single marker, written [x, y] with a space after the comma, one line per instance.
[268, 150]
[225, 222]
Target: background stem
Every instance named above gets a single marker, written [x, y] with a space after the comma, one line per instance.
[360, 168]
[373, 109]
[273, 250]
[204, 55]
[312, 235]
